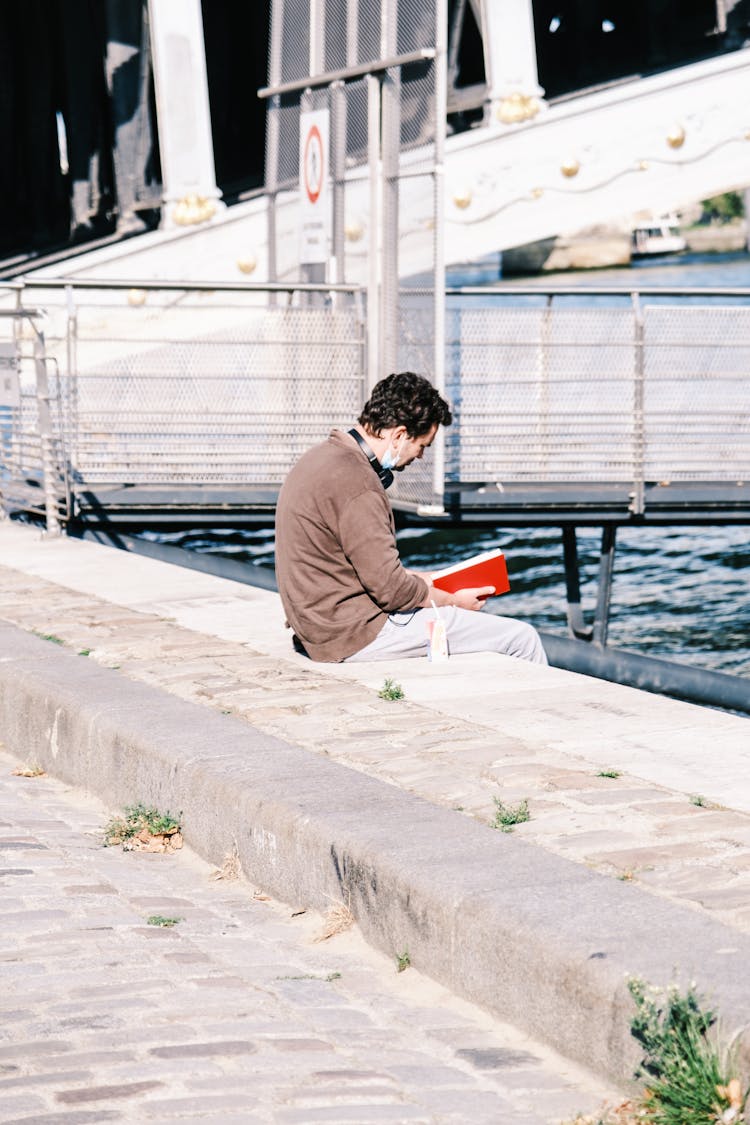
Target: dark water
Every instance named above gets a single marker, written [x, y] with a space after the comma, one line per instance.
[680, 593]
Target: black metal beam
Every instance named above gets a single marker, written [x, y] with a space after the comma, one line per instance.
[663, 677]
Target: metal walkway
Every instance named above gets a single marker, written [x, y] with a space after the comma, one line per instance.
[175, 407]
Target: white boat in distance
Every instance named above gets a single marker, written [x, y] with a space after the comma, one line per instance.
[658, 235]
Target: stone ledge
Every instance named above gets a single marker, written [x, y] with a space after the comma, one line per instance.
[538, 940]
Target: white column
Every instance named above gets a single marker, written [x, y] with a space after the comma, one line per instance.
[510, 60]
[185, 141]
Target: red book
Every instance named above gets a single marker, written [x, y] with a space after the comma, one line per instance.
[487, 569]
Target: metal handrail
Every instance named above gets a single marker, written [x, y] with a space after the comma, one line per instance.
[591, 291]
[183, 286]
[347, 73]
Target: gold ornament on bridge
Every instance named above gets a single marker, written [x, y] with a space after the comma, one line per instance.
[537, 193]
[353, 230]
[676, 136]
[136, 297]
[517, 107]
[462, 198]
[570, 167]
[192, 209]
[641, 165]
[247, 264]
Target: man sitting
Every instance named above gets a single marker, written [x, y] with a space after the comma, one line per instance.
[342, 585]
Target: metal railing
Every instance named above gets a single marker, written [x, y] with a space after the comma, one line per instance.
[643, 387]
[33, 476]
[155, 384]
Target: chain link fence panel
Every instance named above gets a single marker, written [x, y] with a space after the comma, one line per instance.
[178, 391]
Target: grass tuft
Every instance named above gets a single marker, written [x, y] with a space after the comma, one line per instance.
[49, 637]
[391, 690]
[160, 920]
[143, 826]
[688, 1078]
[507, 816]
[403, 961]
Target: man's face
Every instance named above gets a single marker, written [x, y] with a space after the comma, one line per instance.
[411, 449]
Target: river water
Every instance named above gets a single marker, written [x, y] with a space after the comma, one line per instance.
[681, 593]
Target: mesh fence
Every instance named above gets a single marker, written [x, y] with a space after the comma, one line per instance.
[696, 393]
[583, 395]
[195, 388]
[182, 393]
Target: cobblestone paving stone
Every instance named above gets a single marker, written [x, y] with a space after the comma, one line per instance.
[622, 826]
[236, 1013]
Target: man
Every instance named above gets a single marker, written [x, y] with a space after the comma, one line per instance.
[342, 585]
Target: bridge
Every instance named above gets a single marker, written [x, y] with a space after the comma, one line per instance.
[416, 152]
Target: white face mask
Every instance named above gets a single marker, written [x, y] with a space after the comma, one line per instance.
[390, 460]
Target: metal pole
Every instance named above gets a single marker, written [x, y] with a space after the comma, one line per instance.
[441, 102]
[577, 626]
[695, 685]
[638, 496]
[391, 138]
[375, 261]
[46, 438]
[604, 591]
[273, 138]
[338, 168]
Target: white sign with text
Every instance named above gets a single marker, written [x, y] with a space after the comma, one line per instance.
[10, 389]
[315, 194]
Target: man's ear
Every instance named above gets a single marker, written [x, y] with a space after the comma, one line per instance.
[398, 433]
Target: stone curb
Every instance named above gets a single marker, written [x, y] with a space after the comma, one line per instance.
[540, 941]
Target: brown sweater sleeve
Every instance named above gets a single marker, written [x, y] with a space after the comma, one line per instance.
[369, 544]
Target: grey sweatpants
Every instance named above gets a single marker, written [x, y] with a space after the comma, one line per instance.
[405, 634]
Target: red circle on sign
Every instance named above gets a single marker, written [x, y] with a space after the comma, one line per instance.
[313, 188]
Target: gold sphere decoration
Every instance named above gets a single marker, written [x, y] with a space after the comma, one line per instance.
[676, 136]
[136, 297]
[642, 165]
[462, 198]
[517, 107]
[570, 167]
[537, 193]
[193, 209]
[247, 264]
[353, 230]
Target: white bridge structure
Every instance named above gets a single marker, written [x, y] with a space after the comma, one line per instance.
[528, 168]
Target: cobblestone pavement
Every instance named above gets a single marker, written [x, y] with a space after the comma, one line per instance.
[671, 843]
[236, 1013]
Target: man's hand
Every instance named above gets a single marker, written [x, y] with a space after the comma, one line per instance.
[470, 598]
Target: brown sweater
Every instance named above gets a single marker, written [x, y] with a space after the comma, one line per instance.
[337, 563]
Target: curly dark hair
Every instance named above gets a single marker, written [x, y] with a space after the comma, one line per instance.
[404, 399]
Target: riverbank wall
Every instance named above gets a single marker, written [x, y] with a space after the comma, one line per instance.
[604, 247]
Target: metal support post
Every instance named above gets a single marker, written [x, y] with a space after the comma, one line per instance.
[604, 590]
[391, 140]
[441, 108]
[46, 437]
[576, 625]
[638, 495]
[375, 260]
[273, 139]
[338, 170]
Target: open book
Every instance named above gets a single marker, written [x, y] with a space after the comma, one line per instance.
[487, 569]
